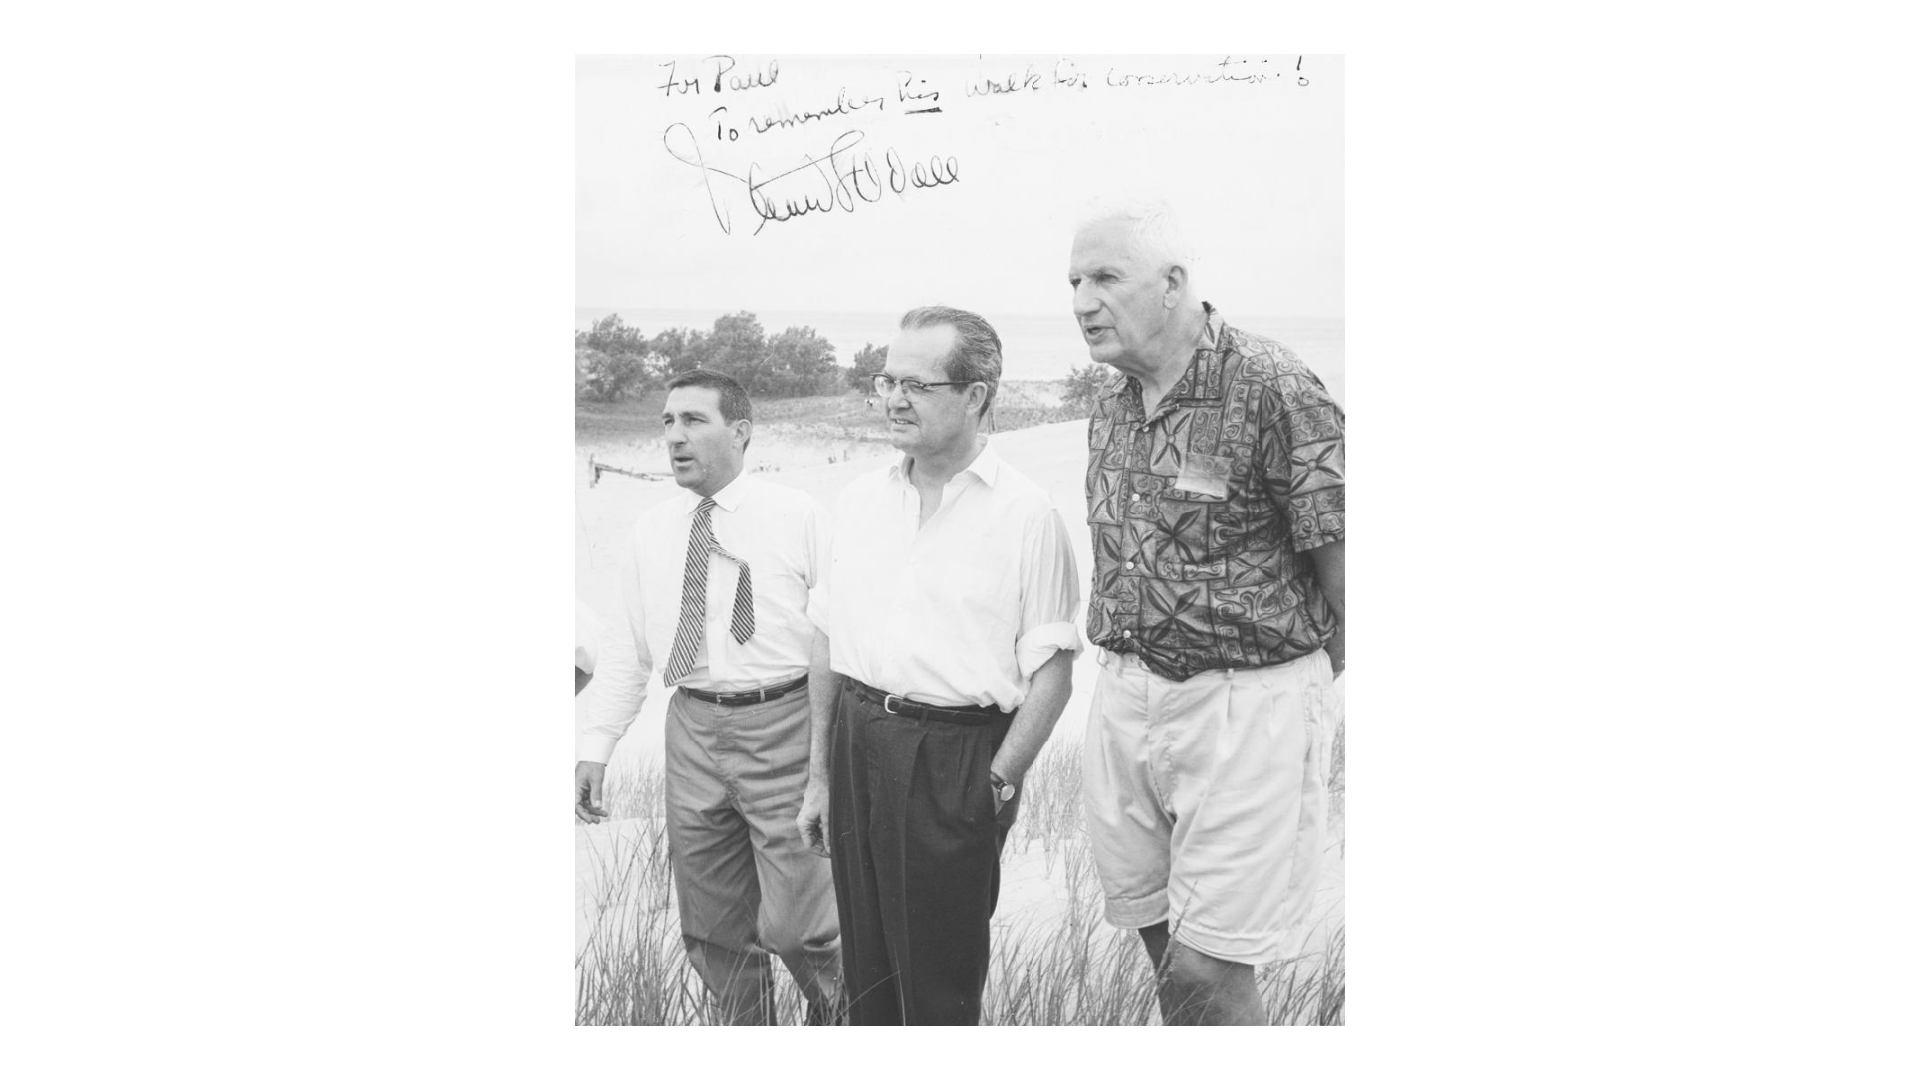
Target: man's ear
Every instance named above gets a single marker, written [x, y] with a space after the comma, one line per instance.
[1176, 285]
[743, 429]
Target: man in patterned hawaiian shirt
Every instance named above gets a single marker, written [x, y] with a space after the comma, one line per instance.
[1216, 498]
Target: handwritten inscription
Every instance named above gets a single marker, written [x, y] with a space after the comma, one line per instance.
[1065, 74]
[914, 92]
[1012, 84]
[844, 104]
[1231, 70]
[849, 172]
[720, 67]
[842, 179]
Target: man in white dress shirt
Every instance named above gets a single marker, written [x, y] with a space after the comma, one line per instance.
[713, 590]
[951, 603]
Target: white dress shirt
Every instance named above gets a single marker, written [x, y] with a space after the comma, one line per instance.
[962, 610]
[587, 632]
[781, 533]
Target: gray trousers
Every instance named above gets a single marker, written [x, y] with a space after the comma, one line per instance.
[749, 888]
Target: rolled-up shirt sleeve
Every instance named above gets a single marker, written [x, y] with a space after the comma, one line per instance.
[619, 685]
[1049, 593]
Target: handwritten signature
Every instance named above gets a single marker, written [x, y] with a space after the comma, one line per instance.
[843, 179]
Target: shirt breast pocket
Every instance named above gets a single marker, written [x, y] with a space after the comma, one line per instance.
[1203, 477]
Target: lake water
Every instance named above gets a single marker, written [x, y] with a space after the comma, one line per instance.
[1035, 346]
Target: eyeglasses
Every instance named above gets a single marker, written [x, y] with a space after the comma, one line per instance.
[884, 384]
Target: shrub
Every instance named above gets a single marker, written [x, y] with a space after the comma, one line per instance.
[1083, 385]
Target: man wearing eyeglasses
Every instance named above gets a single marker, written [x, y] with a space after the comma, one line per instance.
[713, 590]
[951, 601]
[1216, 494]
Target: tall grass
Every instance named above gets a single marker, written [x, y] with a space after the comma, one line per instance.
[1069, 967]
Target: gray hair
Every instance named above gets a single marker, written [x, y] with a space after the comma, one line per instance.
[1154, 230]
[976, 348]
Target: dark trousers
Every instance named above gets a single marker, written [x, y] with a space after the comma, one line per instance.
[916, 862]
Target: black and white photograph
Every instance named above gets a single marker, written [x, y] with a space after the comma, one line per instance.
[959, 478]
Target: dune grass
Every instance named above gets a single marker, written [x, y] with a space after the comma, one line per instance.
[1071, 968]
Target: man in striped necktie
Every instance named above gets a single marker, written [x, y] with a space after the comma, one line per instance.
[715, 585]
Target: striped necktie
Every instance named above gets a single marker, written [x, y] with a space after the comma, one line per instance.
[701, 547]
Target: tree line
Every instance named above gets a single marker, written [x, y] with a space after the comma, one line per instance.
[613, 360]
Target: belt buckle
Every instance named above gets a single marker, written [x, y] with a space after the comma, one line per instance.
[886, 704]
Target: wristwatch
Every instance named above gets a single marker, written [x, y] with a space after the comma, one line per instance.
[1001, 788]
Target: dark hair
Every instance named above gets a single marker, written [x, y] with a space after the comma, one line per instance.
[976, 348]
[733, 398]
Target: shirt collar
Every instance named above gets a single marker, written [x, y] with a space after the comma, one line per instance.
[1197, 381]
[1215, 325]
[985, 465]
[727, 498]
[1201, 382]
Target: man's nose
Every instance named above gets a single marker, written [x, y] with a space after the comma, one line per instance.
[1083, 302]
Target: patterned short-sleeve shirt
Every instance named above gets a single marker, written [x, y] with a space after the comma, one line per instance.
[1203, 513]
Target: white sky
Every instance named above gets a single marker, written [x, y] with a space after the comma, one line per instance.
[1255, 168]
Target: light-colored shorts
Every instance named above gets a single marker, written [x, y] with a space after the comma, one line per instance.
[1206, 801]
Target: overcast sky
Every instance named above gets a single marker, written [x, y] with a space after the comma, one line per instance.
[666, 219]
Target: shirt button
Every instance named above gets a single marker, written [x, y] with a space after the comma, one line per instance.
[1129, 564]
[1126, 633]
[1136, 496]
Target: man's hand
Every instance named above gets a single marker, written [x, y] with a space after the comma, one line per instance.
[813, 819]
[588, 779]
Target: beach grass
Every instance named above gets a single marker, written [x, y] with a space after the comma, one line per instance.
[1068, 967]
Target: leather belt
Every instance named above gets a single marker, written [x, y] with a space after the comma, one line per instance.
[895, 705]
[746, 697]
